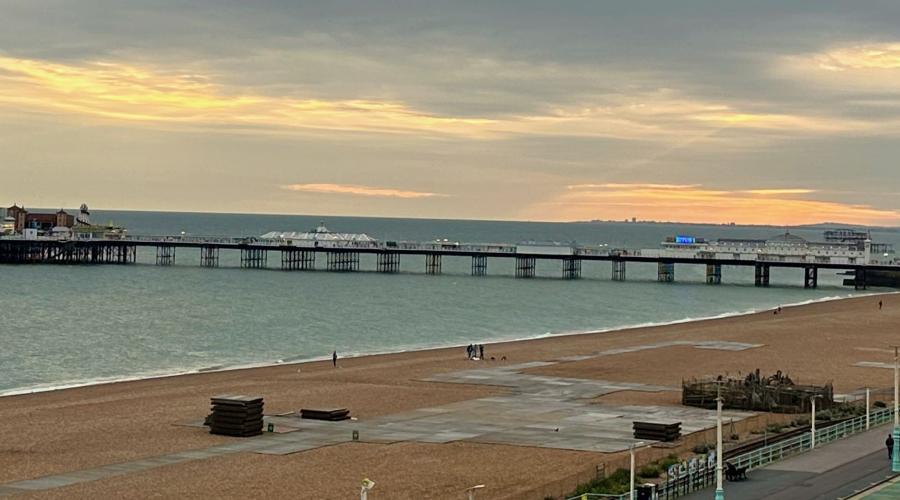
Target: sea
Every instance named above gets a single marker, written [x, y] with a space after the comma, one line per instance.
[67, 326]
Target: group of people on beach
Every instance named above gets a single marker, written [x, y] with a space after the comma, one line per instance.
[474, 351]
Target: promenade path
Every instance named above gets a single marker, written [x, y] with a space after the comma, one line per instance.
[833, 471]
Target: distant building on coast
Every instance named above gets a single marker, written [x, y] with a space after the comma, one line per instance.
[59, 224]
[43, 222]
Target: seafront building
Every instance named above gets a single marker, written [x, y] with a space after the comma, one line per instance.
[841, 246]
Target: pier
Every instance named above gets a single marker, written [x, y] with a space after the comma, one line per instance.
[345, 257]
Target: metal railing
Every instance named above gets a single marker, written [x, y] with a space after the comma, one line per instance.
[706, 477]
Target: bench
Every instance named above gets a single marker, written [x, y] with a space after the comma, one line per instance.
[733, 473]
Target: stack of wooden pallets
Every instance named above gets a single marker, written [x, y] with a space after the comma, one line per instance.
[235, 415]
[331, 414]
[657, 432]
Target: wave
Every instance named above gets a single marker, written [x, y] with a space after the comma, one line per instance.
[161, 374]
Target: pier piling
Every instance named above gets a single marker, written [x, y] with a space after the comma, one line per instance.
[165, 255]
[388, 262]
[714, 274]
[761, 275]
[525, 267]
[209, 256]
[571, 269]
[293, 259]
[254, 258]
[810, 277]
[618, 270]
[665, 272]
[433, 264]
[343, 261]
[479, 265]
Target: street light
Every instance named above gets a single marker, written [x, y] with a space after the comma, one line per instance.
[720, 493]
[631, 450]
[365, 487]
[812, 422]
[895, 460]
[470, 492]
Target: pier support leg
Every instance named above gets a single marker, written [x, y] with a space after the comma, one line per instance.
[209, 256]
[479, 265]
[432, 264]
[571, 269]
[810, 277]
[618, 270]
[388, 262]
[254, 258]
[525, 267]
[665, 272]
[343, 261]
[714, 274]
[165, 255]
[859, 282]
[762, 275]
[293, 259]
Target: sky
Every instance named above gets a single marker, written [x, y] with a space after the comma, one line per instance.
[764, 112]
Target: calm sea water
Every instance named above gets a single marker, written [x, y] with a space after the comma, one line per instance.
[73, 325]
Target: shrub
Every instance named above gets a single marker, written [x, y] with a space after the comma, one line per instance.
[615, 484]
[701, 449]
[649, 472]
[669, 461]
[823, 415]
[775, 428]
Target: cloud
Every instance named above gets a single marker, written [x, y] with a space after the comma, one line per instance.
[356, 190]
[848, 69]
[692, 203]
[137, 94]
[779, 192]
[632, 186]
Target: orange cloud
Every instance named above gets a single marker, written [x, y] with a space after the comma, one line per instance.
[356, 190]
[696, 204]
[127, 92]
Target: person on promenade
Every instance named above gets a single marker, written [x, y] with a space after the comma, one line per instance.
[889, 442]
[334, 359]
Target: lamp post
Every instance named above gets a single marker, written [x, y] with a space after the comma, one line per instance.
[867, 408]
[365, 487]
[470, 492]
[631, 449]
[895, 460]
[720, 493]
[812, 423]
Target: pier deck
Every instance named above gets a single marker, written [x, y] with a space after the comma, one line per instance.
[345, 257]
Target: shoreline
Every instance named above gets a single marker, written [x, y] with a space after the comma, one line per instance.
[76, 384]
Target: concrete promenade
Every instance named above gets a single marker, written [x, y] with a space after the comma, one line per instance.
[834, 471]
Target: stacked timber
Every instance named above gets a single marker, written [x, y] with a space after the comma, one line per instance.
[331, 414]
[651, 431]
[235, 415]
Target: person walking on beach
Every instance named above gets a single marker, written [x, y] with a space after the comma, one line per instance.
[880, 304]
[334, 359]
[481, 349]
[889, 442]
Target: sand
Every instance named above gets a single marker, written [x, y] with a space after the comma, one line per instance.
[67, 430]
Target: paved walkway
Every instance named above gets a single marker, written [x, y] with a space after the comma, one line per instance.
[836, 470]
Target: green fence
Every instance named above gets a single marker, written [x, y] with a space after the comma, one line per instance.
[704, 478]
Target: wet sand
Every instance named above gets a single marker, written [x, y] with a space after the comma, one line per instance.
[73, 429]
